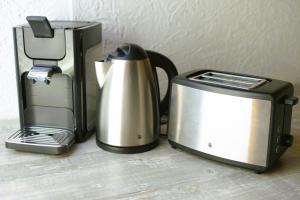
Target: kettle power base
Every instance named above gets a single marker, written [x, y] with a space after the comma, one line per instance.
[41, 140]
[127, 150]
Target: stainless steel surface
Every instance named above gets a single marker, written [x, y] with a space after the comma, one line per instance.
[230, 80]
[50, 104]
[58, 93]
[128, 104]
[41, 139]
[226, 126]
[49, 116]
[101, 68]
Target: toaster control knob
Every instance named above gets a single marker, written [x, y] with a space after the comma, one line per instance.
[287, 140]
[291, 101]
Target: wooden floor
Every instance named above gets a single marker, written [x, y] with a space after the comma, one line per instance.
[88, 172]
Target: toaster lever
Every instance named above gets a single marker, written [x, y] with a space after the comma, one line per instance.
[291, 101]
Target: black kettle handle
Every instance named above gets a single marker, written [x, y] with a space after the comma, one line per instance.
[161, 61]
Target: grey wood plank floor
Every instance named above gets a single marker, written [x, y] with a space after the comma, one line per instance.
[87, 172]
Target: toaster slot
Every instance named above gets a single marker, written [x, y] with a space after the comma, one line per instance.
[229, 80]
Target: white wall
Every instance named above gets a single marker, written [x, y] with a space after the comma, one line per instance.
[260, 37]
[256, 37]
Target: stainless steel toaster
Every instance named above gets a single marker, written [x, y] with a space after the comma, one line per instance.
[234, 118]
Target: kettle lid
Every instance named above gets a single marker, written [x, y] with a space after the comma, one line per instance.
[128, 52]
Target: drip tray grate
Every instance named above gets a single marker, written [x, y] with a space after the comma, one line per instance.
[41, 140]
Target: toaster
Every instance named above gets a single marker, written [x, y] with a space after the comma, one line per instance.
[237, 119]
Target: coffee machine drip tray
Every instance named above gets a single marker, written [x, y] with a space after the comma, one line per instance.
[41, 139]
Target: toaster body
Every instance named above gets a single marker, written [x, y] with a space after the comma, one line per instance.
[233, 118]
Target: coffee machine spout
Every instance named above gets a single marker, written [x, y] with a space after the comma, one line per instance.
[102, 68]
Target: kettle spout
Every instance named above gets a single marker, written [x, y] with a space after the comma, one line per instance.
[102, 67]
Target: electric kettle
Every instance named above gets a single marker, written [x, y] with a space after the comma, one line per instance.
[129, 107]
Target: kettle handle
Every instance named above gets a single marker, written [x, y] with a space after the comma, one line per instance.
[161, 61]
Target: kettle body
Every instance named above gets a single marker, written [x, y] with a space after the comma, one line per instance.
[129, 108]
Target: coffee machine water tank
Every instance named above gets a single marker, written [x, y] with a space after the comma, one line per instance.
[56, 82]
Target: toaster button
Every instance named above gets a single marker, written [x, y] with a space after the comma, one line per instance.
[278, 140]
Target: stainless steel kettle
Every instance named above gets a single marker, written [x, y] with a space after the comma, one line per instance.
[129, 107]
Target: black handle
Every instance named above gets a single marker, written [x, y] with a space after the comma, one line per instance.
[40, 26]
[161, 61]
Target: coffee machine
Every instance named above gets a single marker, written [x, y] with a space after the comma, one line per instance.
[56, 81]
